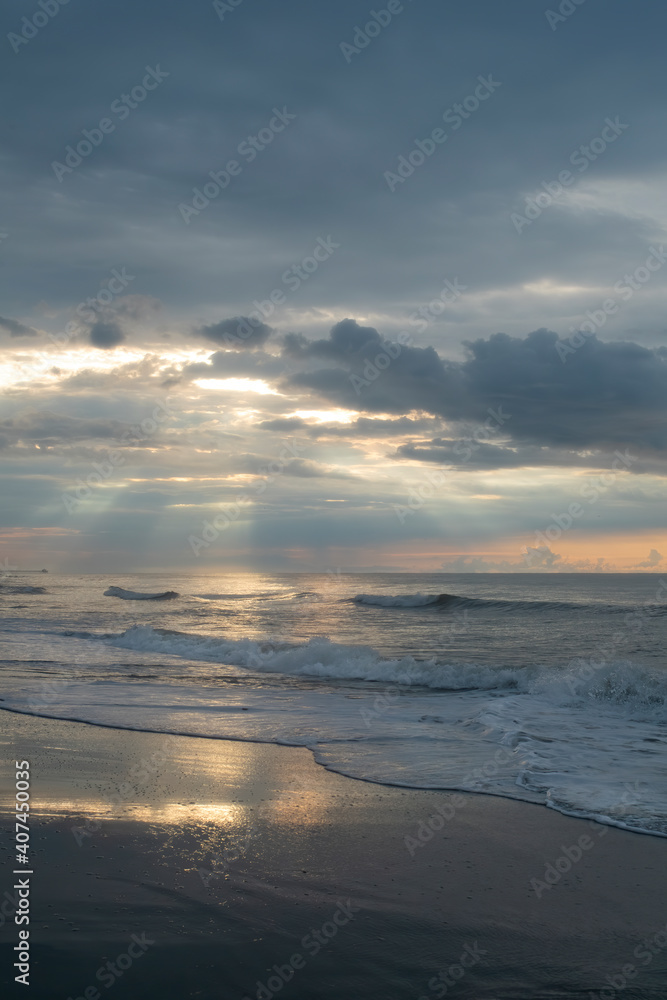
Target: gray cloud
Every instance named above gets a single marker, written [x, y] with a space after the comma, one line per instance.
[46, 428]
[237, 333]
[138, 307]
[106, 334]
[304, 468]
[284, 424]
[300, 468]
[367, 427]
[347, 340]
[605, 396]
[362, 427]
[235, 364]
[654, 559]
[120, 205]
[16, 329]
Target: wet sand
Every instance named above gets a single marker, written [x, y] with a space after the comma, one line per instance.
[174, 867]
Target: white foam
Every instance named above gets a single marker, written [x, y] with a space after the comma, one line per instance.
[319, 657]
[638, 690]
[572, 742]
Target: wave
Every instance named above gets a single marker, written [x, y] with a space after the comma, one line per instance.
[618, 684]
[22, 590]
[319, 657]
[269, 595]
[133, 595]
[574, 737]
[230, 597]
[402, 600]
[524, 734]
[500, 604]
[449, 601]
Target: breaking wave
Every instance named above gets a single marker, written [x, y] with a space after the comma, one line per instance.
[618, 683]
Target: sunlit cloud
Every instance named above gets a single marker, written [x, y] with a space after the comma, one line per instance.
[326, 416]
[237, 385]
[51, 365]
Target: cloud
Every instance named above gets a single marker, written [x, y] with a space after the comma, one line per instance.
[47, 428]
[237, 333]
[541, 560]
[376, 376]
[608, 395]
[16, 329]
[398, 247]
[301, 468]
[361, 428]
[479, 454]
[325, 173]
[374, 427]
[138, 307]
[478, 564]
[233, 364]
[540, 556]
[654, 559]
[346, 340]
[283, 424]
[106, 334]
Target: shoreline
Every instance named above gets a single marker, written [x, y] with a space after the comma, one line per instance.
[229, 855]
[612, 824]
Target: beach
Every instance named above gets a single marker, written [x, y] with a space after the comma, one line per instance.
[222, 869]
[333, 551]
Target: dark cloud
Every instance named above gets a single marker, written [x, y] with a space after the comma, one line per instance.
[377, 375]
[106, 334]
[347, 340]
[604, 395]
[479, 455]
[237, 333]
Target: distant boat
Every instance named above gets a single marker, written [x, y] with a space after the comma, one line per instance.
[45, 571]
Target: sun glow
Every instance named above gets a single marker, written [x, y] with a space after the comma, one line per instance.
[52, 365]
[326, 416]
[237, 385]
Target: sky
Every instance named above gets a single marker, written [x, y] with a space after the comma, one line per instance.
[331, 287]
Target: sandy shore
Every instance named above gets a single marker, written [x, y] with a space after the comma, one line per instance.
[223, 870]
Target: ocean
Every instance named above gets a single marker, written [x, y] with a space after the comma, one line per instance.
[550, 689]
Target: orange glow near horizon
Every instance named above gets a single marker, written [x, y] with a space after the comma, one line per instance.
[620, 554]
